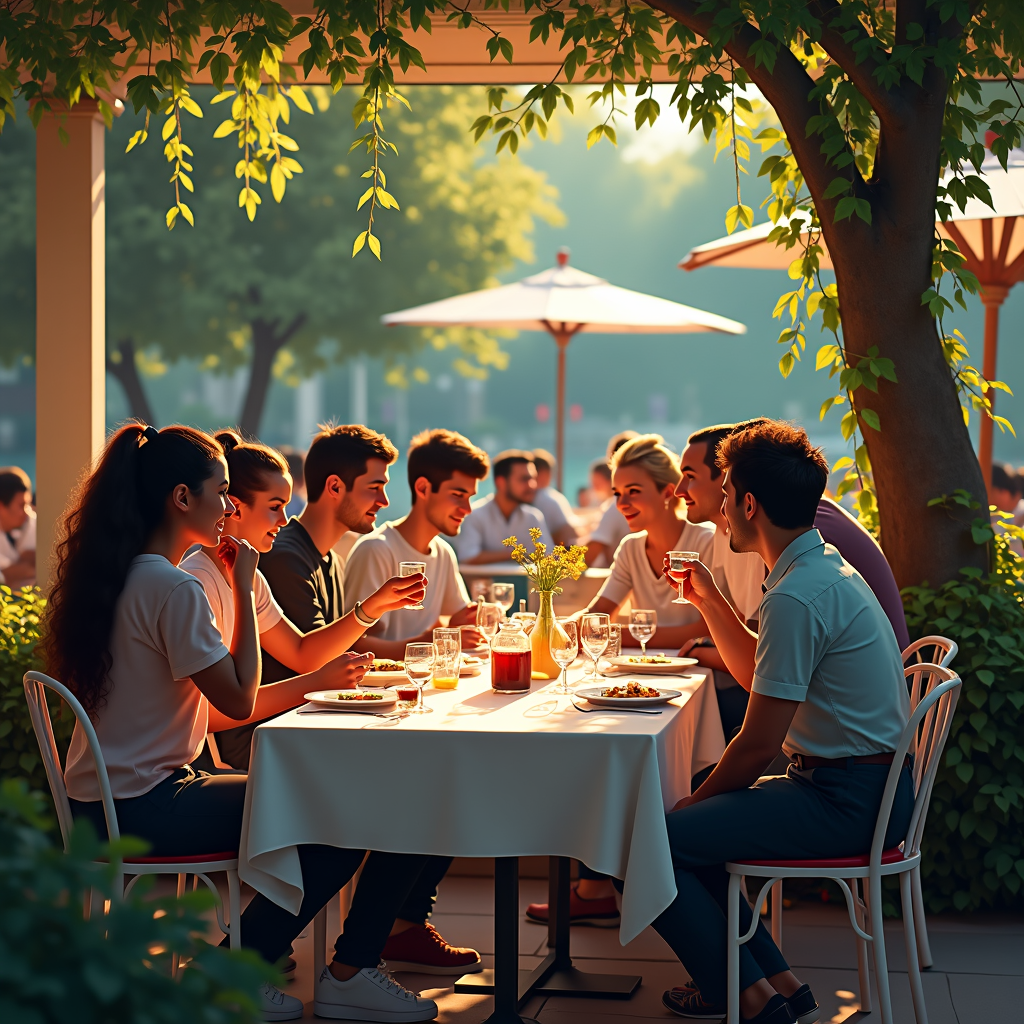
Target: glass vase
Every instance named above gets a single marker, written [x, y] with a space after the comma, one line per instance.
[544, 666]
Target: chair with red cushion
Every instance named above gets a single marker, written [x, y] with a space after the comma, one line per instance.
[201, 866]
[924, 738]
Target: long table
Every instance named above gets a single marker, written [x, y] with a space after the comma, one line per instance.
[487, 775]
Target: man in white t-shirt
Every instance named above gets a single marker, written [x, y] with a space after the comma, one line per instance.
[552, 503]
[17, 529]
[444, 469]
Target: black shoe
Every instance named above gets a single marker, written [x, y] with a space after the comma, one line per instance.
[803, 1005]
[776, 1011]
[688, 1002]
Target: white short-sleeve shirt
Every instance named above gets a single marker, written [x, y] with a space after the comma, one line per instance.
[486, 527]
[153, 719]
[374, 559]
[222, 601]
[632, 572]
[555, 508]
[739, 575]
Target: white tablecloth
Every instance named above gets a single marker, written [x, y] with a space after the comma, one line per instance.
[485, 775]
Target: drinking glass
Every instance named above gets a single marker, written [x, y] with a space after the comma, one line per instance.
[410, 569]
[679, 570]
[614, 648]
[642, 624]
[419, 666]
[564, 646]
[527, 620]
[595, 632]
[446, 664]
[503, 594]
[489, 618]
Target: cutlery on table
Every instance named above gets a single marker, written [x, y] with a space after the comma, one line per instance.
[614, 711]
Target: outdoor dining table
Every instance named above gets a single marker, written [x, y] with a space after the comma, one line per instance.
[489, 775]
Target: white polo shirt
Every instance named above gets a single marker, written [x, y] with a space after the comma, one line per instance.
[738, 575]
[374, 559]
[632, 573]
[825, 641]
[486, 527]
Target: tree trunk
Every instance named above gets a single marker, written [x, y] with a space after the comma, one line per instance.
[267, 341]
[127, 374]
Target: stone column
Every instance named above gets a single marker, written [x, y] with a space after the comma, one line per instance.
[70, 310]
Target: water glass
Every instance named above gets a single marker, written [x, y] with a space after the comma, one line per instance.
[595, 628]
[564, 647]
[643, 622]
[448, 659]
[679, 570]
[419, 667]
[503, 594]
[489, 618]
[410, 569]
[614, 648]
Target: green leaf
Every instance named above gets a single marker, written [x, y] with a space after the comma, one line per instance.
[870, 417]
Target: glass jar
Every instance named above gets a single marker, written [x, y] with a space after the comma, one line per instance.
[511, 659]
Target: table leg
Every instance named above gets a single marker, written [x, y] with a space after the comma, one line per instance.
[555, 975]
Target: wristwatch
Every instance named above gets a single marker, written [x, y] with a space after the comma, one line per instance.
[361, 617]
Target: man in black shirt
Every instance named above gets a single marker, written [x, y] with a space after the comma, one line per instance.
[346, 475]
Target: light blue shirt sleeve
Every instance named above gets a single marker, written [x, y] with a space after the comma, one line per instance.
[469, 542]
[790, 643]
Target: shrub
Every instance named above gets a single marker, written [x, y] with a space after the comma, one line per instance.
[20, 614]
[57, 965]
[974, 849]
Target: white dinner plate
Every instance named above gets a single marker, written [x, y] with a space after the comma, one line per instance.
[593, 695]
[670, 666]
[340, 700]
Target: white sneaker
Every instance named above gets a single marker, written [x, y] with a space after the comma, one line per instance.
[372, 995]
[278, 1006]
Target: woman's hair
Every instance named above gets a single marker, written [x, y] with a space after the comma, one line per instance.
[249, 465]
[648, 451]
[113, 514]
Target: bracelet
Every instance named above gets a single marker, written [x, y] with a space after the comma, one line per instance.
[364, 620]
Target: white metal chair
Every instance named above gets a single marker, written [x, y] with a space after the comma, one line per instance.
[925, 736]
[201, 865]
[935, 650]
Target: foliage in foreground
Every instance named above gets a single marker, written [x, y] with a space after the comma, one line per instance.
[56, 965]
[974, 847]
[20, 614]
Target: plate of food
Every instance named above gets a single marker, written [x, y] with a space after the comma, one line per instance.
[651, 663]
[365, 701]
[471, 666]
[627, 695]
[384, 672]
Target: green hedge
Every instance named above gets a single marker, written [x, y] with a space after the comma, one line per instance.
[20, 613]
[974, 846]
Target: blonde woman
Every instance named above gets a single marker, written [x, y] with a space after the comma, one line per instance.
[645, 474]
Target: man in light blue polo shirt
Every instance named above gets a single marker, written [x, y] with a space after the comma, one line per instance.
[826, 686]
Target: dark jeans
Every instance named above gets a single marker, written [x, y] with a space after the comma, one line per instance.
[828, 812]
[192, 813]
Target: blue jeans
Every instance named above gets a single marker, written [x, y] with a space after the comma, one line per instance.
[192, 812]
[827, 812]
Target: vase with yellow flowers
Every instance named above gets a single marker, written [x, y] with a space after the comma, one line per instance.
[545, 572]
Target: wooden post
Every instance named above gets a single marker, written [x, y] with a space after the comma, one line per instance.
[70, 310]
[993, 296]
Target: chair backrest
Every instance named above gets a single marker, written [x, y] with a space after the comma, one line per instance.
[931, 650]
[926, 733]
[36, 684]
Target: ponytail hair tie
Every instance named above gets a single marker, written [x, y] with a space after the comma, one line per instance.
[148, 434]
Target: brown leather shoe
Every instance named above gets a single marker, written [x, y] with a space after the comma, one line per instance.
[601, 913]
[423, 949]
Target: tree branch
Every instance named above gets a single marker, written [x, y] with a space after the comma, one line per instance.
[127, 374]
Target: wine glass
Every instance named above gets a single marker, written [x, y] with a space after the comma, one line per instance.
[642, 624]
[564, 646]
[410, 569]
[419, 667]
[503, 594]
[489, 618]
[679, 570]
[595, 632]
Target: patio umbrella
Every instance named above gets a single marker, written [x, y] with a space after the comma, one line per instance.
[564, 302]
[991, 239]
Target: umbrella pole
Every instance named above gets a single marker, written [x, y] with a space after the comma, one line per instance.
[562, 338]
[993, 296]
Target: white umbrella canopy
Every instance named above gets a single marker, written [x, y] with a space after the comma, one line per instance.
[991, 239]
[564, 301]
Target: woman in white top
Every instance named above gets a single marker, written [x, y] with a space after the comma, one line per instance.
[644, 478]
[133, 635]
[260, 489]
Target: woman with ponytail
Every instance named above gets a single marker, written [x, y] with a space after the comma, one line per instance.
[260, 488]
[133, 636]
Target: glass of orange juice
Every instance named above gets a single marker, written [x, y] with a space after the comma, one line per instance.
[448, 660]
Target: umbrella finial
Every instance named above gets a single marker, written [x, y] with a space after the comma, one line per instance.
[562, 256]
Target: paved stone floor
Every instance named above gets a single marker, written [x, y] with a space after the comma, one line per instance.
[978, 977]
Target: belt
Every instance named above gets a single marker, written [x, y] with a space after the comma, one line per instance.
[804, 761]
